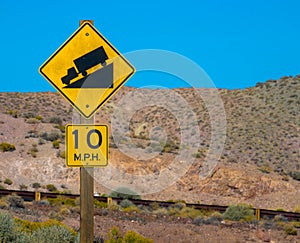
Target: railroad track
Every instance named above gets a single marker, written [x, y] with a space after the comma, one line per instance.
[260, 213]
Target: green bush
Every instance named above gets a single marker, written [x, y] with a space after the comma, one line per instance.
[33, 150]
[6, 228]
[15, 201]
[3, 203]
[8, 181]
[65, 211]
[198, 221]
[133, 237]
[22, 225]
[239, 212]
[32, 121]
[115, 236]
[13, 113]
[290, 230]
[296, 224]
[113, 207]
[170, 146]
[51, 188]
[60, 127]
[22, 237]
[154, 206]
[66, 191]
[23, 187]
[6, 147]
[280, 218]
[55, 144]
[70, 202]
[41, 141]
[52, 234]
[126, 203]
[55, 120]
[62, 154]
[36, 185]
[160, 211]
[57, 216]
[31, 227]
[131, 209]
[42, 202]
[179, 205]
[173, 211]
[265, 169]
[23, 231]
[52, 136]
[61, 200]
[28, 115]
[9, 232]
[40, 118]
[215, 218]
[295, 175]
[188, 212]
[125, 193]
[99, 204]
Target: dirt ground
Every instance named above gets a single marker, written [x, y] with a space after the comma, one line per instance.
[164, 228]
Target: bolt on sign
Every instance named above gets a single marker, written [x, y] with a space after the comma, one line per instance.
[87, 69]
[86, 145]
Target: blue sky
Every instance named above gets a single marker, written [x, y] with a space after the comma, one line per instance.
[237, 43]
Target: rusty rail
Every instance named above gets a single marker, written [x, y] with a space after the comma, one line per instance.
[260, 213]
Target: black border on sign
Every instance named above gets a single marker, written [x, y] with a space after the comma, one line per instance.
[85, 125]
[65, 96]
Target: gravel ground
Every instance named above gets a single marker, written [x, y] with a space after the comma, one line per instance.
[164, 228]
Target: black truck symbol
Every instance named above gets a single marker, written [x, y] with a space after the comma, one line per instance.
[84, 63]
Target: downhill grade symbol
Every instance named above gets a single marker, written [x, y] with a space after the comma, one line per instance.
[86, 145]
[87, 70]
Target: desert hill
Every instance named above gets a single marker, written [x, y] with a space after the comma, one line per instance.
[160, 141]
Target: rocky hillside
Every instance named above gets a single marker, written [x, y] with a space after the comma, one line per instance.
[166, 137]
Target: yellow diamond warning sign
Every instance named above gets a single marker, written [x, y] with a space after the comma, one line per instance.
[87, 70]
